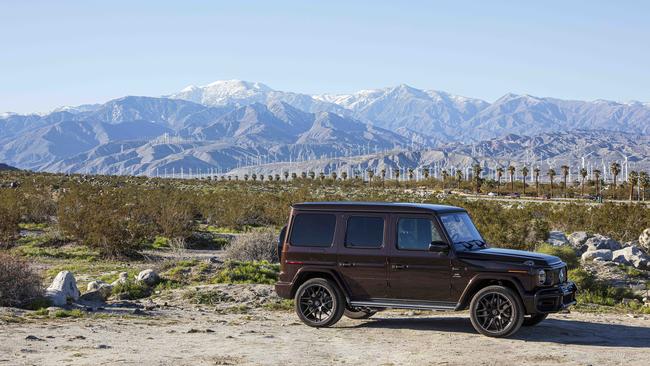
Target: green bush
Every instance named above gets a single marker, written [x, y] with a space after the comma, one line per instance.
[9, 217]
[566, 253]
[131, 290]
[257, 245]
[248, 272]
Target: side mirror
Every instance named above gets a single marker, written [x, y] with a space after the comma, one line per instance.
[438, 246]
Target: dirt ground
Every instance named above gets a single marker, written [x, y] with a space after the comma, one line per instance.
[200, 336]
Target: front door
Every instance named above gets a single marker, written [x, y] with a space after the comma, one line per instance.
[415, 273]
[363, 255]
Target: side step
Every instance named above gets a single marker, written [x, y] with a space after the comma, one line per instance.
[440, 306]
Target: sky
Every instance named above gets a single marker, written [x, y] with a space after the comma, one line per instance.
[62, 52]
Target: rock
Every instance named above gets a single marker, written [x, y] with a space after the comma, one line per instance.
[644, 240]
[578, 240]
[93, 296]
[602, 242]
[600, 254]
[102, 287]
[123, 277]
[148, 276]
[557, 238]
[63, 289]
[631, 256]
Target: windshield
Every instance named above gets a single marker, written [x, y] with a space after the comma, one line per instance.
[461, 230]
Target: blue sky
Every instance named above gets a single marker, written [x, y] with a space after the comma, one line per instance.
[72, 52]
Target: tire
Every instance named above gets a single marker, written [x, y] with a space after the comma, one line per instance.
[359, 313]
[496, 311]
[534, 319]
[319, 303]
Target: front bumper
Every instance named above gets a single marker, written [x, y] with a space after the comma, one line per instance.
[552, 299]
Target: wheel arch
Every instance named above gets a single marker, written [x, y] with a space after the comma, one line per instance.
[305, 274]
[481, 281]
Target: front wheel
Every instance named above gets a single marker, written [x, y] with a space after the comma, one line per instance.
[496, 311]
[534, 319]
[319, 303]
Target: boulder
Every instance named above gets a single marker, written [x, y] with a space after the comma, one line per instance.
[592, 255]
[123, 277]
[644, 240]
[102, 287]
[557, 238]
[578, 240]
[63, 289]
[94, 296]
[149, 277]
[602, 242]
[631, 256]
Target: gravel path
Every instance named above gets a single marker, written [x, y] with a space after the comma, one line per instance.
[263, 337]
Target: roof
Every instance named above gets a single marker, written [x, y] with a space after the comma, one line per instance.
[378, 206]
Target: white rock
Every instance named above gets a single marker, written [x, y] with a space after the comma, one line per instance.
[603, 254]
[644, 240]
[63, 289]
[123, 277]
[602, 242]
[578, 240]
[631, 256]
[102, 287]
[557, 238]
[148, 276]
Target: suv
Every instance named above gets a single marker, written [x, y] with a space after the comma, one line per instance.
[355, 259]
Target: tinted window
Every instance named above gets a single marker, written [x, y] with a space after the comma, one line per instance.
[416, 234]
[367, 232]
[313, 230]
[460, 227]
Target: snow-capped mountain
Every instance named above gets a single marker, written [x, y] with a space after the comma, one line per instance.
[231, 123]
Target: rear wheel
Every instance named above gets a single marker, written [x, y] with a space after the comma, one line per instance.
[359, 313]
[496, 311]
[319, 303]
[534, 319]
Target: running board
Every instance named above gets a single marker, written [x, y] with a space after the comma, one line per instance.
[404, 305]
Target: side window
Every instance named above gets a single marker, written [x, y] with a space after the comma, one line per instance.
[416, 234]
[313, 230]
[364, 232]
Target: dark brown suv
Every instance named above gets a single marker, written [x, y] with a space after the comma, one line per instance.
[357, 258]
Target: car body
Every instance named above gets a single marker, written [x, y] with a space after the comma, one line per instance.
[371, 256]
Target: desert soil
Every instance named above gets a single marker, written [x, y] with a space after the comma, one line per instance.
[199, 335]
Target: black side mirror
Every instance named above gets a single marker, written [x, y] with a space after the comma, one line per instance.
[438, 246]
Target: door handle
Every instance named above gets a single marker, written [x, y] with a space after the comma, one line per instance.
[400, 266]
[345, 264]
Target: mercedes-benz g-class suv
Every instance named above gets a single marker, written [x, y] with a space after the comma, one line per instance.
[357, 258]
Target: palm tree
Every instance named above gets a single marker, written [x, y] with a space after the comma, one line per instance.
[254, 176]
[262, 177]
[344, 175]
[583, 175]
[477, 176]
[371, 174]
[312, 175]
[396, 173]
[596, 174]
[511, 171]
[536, 172]
[303, 175]
[565, 174]
[459, 177]
[410, 173]
[294, 176]
[245, 177]
[615, 168]
[551, 174]
[277, 177]
[321, 176]
[383, 174]
[333, 175]
[445, 174]
[425, 171]
[632, 180]
[644, 182]
[286, 175]
[524, 174]
[499, 175]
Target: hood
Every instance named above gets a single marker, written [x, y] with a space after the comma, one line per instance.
[509, 255]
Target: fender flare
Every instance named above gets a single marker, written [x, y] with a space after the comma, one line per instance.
[476, 282]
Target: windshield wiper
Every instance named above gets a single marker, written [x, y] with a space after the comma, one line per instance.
[469, 244]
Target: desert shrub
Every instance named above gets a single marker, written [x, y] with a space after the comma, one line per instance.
[19, 282]
[9, 217]
[248, 272]
[593, 291]
[566, 253]
[257, 245]
[131, 290]
[172, 212]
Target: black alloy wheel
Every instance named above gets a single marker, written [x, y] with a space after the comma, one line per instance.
[496, 311]
[319, 303]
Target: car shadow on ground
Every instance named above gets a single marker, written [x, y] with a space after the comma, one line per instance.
[564, 331]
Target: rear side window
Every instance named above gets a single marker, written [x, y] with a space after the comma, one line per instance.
[313, 230]
[365, 232]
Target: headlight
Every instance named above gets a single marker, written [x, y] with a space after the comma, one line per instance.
[541, 276]
[562, 275]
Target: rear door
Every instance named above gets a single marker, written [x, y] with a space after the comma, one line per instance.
[363, 255]
[415, 273]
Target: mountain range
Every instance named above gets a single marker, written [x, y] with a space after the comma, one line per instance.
[226, 125]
